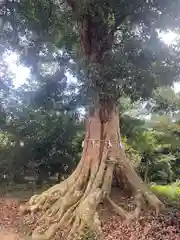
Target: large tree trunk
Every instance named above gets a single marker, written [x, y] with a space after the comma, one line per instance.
[75, 200]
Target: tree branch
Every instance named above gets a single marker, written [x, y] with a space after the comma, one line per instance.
[120, 20]
[73, 4]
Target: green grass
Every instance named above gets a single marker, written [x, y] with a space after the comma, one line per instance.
[171, 192]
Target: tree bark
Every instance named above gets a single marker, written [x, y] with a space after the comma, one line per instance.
[74, 202]
[146, 180]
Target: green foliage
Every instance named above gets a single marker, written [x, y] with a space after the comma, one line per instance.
[140, 61]
[171, 192]
[43, 139]
[152, 144]
[40, 121]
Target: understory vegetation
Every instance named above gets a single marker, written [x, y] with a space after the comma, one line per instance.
[33, 150]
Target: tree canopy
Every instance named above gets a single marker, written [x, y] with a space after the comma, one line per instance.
[45, 34]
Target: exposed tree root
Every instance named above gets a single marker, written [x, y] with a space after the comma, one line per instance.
[119, 210]
[74, 202]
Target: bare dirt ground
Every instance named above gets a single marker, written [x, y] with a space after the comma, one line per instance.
[165, 227]
[9, 236]
[9, 219]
